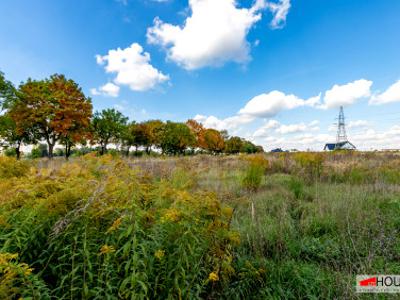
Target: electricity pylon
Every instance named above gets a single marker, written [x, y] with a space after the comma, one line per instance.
[341, 132]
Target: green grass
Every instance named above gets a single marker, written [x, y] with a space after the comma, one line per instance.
[239, 227]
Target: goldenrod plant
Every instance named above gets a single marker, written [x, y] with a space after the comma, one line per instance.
[276, 226]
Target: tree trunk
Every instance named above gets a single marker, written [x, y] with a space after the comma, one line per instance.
[67, 150]
[17, 151]
[103, 149]
[51, 147]
[127, 150]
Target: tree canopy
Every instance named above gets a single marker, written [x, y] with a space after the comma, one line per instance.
[176, 138]
[55, 107]
[55, 110]
[108, 126]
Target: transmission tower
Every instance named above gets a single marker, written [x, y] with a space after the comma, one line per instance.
[341, 132]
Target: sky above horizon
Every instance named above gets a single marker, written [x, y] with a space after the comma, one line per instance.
[274, 72]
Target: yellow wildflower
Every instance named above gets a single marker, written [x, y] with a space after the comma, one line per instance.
[171, 215]
[6, 257]
[105, 249]
[115, 225]
[213, 276]
[234, 237]
[227, 211]
[159, 254]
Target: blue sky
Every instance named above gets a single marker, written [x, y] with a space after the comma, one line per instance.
[264, 70]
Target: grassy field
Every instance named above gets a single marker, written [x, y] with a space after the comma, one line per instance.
[273, 226]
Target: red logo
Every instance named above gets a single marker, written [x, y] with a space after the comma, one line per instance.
[368, 282]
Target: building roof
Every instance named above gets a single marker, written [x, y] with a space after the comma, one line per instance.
[346, 145]
[329, 146]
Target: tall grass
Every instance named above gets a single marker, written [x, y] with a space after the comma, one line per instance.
[248, 227]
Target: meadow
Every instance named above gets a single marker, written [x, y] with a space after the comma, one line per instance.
[260, 226]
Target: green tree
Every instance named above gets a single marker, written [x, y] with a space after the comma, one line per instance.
[128, 137]
[56, 108]
[153, 130]
[109, 126]
[7, 92]
[249, 147]
[13, 137]
[176, 137]
[213, 140]
[233, 145]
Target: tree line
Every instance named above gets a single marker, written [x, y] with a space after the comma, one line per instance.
[56, 111]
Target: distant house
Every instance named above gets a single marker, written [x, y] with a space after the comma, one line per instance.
[277, 150]
[346, 145]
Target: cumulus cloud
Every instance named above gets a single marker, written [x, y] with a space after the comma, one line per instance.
[229, 123]
[268, 105]
[392, 94]
[109, 89]
[295, 128]
[132, 67]
[372, 139]
[272, 126]
[347, 94]
[214, 33]
[264, 130]
[304, 141]
[357, 124]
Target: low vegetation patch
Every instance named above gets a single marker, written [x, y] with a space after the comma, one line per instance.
[205, 227]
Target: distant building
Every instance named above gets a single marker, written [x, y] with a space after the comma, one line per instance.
[339, 146]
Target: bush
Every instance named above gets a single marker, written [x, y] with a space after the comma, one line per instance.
[39, 151]
[254, 172]
[17, 280]
[10, 167]
[10, 152]
[310, 164]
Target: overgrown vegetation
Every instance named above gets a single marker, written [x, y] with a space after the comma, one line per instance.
[277, 226]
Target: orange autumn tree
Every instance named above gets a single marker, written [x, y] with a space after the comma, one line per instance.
[56, 108]
[198, 130]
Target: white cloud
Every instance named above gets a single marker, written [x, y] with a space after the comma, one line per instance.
[133, 68]
[357, 124]
[222, 124]
[295, 128]
[372, 139]
[264, 130]
[214, 33]
[268, 105]
[347, 94]
[313, 141]
[392, 94]
[109, 89]
[280, 11]
[271, 126]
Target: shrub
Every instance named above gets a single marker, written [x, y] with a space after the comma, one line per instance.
[10, 152]
[10, 167]
[310, 164]
[17, 280]
[39, 151]
[297, 187]
[254, 173]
